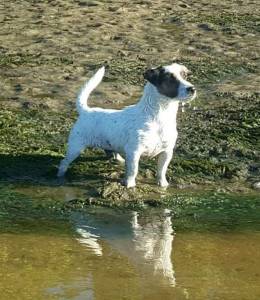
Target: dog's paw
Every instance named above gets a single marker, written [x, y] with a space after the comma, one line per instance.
[163, 183]
[129, 183]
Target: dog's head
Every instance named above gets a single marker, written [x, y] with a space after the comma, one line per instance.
[171, 82]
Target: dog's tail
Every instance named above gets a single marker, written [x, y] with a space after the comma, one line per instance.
[91, 84]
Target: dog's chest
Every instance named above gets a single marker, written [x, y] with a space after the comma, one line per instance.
[160, 135]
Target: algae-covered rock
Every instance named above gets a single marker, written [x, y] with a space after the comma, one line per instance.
[256, 185]
[115, 194]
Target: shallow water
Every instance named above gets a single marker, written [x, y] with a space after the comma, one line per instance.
[108, 254]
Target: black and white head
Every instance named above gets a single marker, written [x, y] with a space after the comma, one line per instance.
[171, 81]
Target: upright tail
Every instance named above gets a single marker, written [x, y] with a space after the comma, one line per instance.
[91, 84]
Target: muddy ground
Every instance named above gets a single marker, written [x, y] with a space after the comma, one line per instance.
[49, 48]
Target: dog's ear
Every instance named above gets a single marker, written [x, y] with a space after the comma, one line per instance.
[153, 75]
[185, 72]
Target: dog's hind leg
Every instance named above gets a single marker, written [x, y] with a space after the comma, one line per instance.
[73, 151]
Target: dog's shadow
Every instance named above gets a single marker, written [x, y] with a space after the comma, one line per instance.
[91, 179]
[42, 169]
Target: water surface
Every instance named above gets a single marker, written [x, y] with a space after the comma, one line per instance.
[108, 254]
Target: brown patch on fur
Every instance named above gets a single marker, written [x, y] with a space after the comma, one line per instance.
[166, 83]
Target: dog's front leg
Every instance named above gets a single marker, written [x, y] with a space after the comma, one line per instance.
[131, 162]
[163, 162]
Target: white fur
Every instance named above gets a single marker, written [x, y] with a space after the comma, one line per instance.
[145, 129]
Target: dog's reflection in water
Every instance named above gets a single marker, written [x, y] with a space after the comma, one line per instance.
[145, 239]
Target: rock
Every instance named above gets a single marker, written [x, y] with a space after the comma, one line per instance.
[184, 186]
[256, 185]
[88, 3]
[26, 104]
[149, 174]
[18, 88]
[184, 5]
[113, 8]
[205, 27]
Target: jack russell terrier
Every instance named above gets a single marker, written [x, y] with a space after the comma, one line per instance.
[147, 128]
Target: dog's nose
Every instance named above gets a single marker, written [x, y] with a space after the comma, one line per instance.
[191, 89]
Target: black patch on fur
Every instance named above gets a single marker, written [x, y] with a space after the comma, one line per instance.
[166, 83]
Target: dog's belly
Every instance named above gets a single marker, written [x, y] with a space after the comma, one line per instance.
[105, 142]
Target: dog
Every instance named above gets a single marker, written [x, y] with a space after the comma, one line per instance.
[147, 128]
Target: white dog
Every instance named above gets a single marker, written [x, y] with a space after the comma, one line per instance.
[147, 128]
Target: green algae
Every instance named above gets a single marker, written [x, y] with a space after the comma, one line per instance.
[196, 211]
[221, 144]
